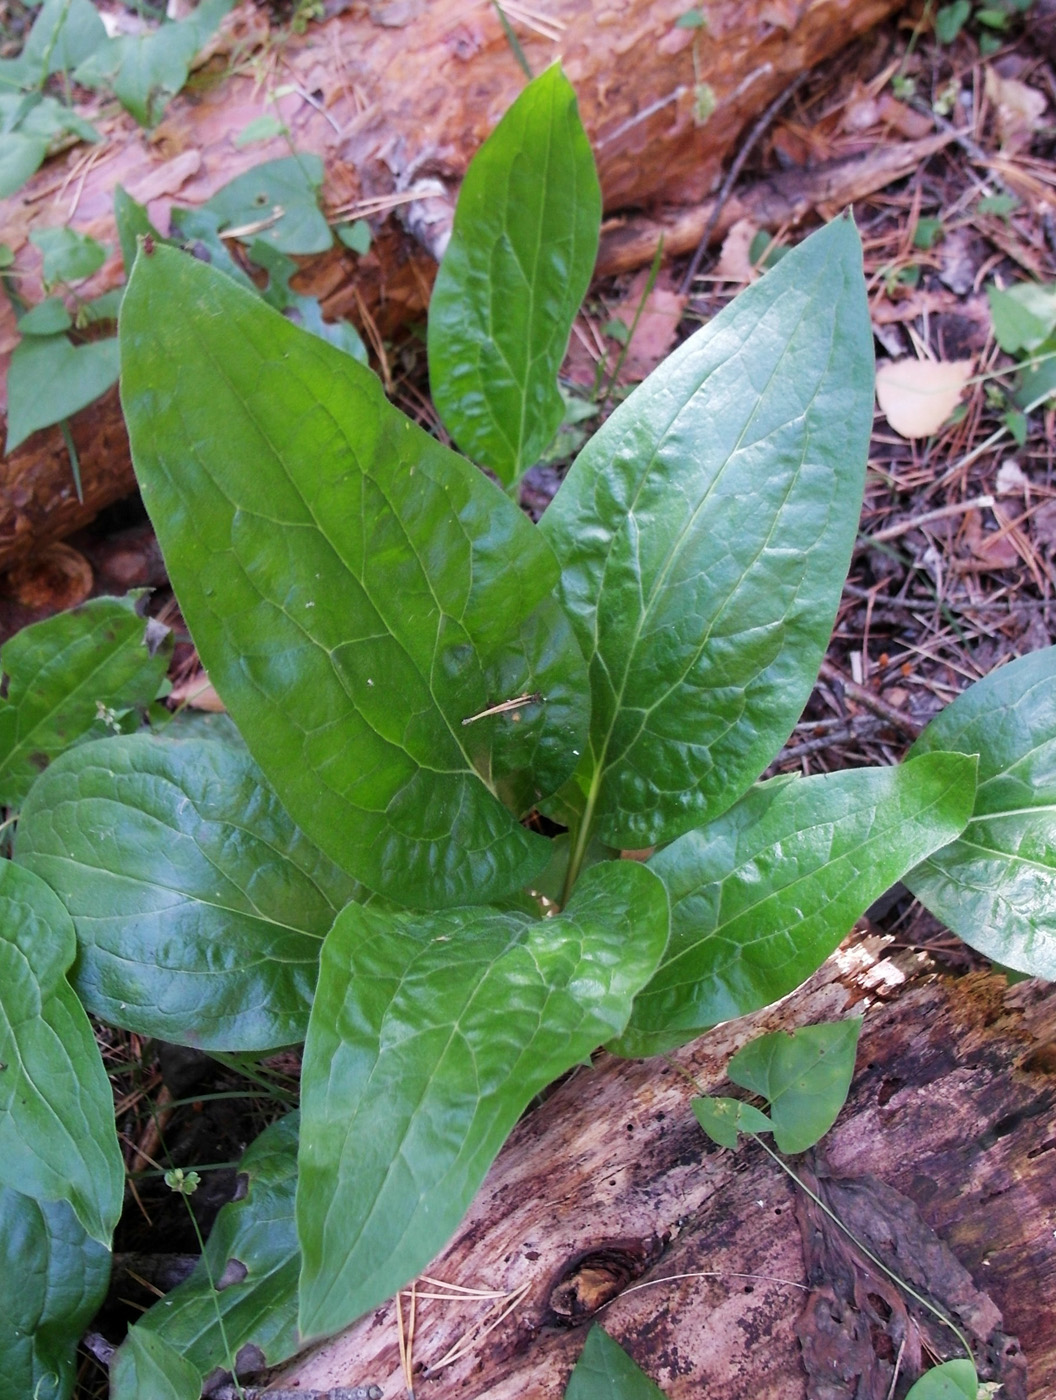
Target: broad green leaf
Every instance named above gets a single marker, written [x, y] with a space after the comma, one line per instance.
[950, 20]
[253, 1255]
[805, 1076]
[276, 202]
[514, 274]
[301, 310]
[429, 1036]
[763, 895]
[723, 1119]
[953, 1380]
[57, 1136]
[50, 379]
[68, 256]
[705, 533]
[357, 592]
[133, 222]
[145, 70]
[63, 34]
[35, 115]
[996, 885]
[53, 1277]
[1023, 316]
[356, 236]
[198, 230]
[604, 1371]
[62, 673]
[21, 155]
[48, 317]
[146, 1365]
[1037, 377]
[200, 908]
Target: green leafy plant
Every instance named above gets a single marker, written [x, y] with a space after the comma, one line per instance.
[992, 21]
[805, 1076]
[604, 1371]
[420, 676]
[61, 364]
[1024, 320]
[69, 41]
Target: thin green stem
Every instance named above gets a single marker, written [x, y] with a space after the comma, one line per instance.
[513, 41]
[895, 1278]
[216, 1300]
[582, 839]
[650, 283]
[75, 461]
[247, 1071]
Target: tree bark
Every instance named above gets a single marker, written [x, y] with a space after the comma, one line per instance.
[395, 95]
[716, 1273]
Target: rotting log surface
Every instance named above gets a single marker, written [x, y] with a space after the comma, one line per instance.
[943, 1152]
[396, 95]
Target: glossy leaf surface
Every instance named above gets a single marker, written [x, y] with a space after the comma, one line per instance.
[53, 1277]
[805, 1076]
[355, 589]
[60, 672]
[763, 895]
[604, 1371]
[953, 1380]
[996, 885]
[514, 274]
[705, 533]
[147, 1365]
[255, 1260]
[200, 907]
[723, 1119]
[429, 1036]
[57, 1136]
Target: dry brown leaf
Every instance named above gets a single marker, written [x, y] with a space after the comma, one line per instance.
[917, 396]
[657, 326]
[907, 122]
[1043, 525]
[1019, 110]
[197, 693]
[991, 548]
[734, 264]
[1011, 479]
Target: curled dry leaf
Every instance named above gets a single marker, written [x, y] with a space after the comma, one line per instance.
[1019, 110]
[734, 263]
[657, 328]
[917, 396]
[197, 693]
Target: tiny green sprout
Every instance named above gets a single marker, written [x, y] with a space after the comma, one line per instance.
[692, 19]
[183, 1183]
[927, 233]
[704, 102]
[1000, 204]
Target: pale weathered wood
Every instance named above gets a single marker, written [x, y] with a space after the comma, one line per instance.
[396, 95]
[951, 1111]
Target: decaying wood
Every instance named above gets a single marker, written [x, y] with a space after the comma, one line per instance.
[396, 95]
[609, 1203]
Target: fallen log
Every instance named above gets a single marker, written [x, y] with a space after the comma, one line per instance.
[395, 95]
[716, 1273]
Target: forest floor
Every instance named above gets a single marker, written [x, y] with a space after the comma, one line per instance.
[954, 571]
